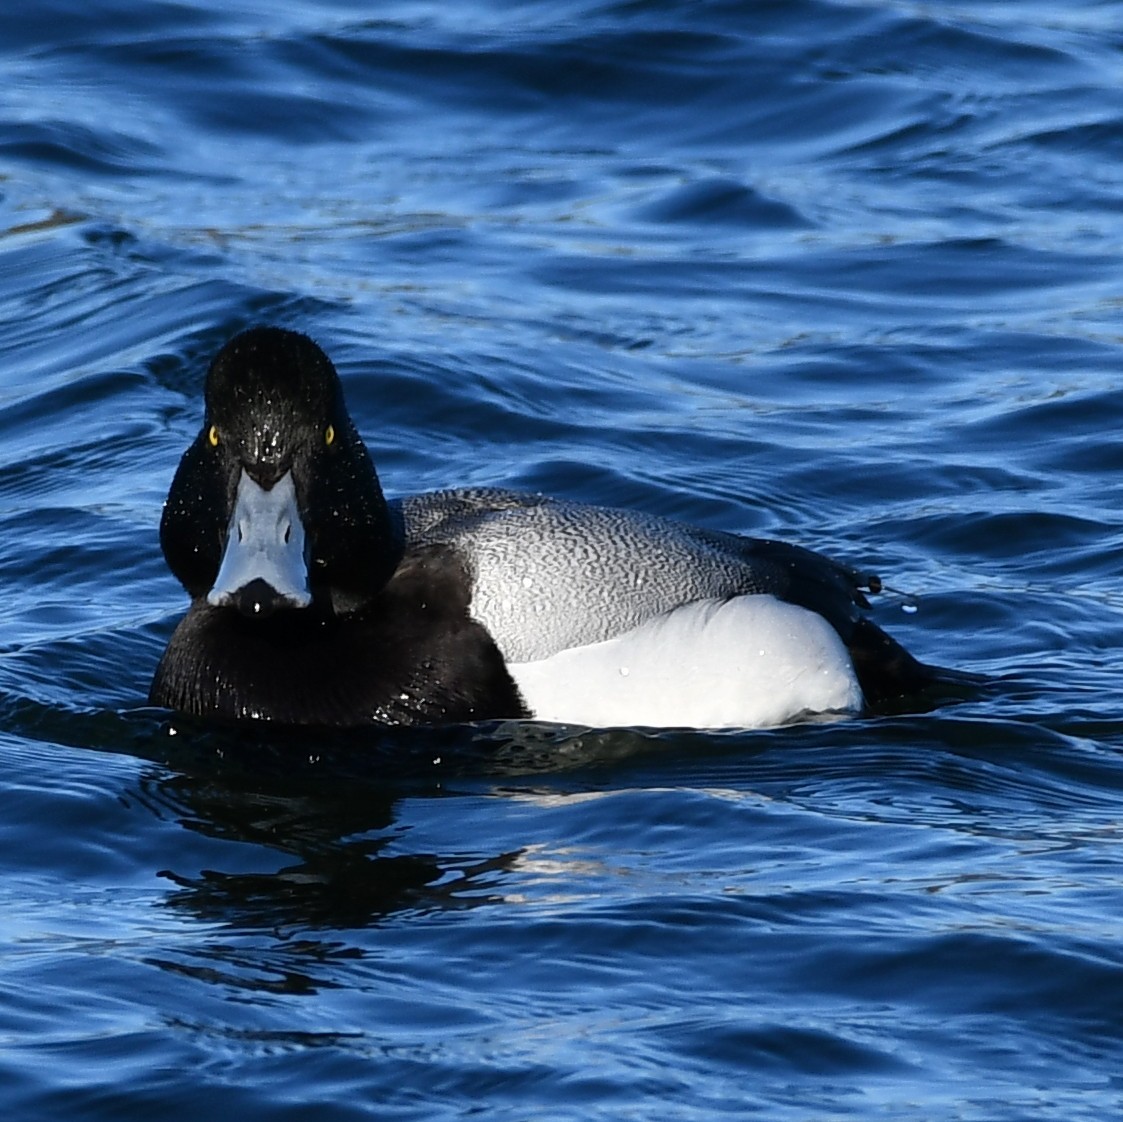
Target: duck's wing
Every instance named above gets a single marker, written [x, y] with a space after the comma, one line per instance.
[550, 575]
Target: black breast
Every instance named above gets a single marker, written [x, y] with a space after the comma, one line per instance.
[411, 656]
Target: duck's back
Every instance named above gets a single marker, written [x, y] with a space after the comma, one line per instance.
[550, 575]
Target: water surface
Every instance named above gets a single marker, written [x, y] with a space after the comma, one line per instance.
[841, 273]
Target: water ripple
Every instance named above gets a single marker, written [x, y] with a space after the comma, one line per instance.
[840, 273]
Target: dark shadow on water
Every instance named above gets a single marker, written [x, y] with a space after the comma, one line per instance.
[269, 757]
[317, 804]
[317, 809]
[343, 887]
[323, 804]
[327, 799]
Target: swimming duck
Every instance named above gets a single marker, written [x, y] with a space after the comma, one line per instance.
[316, 601]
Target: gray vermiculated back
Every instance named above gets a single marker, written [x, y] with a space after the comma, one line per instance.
[549, 575]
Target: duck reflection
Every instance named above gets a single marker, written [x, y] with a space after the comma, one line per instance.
[329, 803]
[328, 800]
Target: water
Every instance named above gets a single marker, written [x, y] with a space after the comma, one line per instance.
[842, 273]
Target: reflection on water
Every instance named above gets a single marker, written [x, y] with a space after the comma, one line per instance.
[328, 801]
[324, 806]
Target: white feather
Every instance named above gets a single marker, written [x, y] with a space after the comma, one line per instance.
[748, 662]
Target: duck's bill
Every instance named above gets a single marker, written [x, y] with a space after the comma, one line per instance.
[264, 567]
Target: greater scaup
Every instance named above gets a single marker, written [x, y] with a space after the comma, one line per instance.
[316, 601]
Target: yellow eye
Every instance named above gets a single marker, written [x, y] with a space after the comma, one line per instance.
[212, 436]
[329, 435]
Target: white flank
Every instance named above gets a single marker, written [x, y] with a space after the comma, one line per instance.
[749, 662]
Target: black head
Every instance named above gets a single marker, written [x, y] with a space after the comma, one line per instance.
[273, 398]
[277, 487]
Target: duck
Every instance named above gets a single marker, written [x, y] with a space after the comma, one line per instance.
[315, 600]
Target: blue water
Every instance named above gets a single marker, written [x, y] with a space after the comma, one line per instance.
[846, 273]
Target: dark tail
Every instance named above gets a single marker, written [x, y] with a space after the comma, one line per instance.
[895, 682]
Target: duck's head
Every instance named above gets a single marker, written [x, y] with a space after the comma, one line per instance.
[276, 504]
